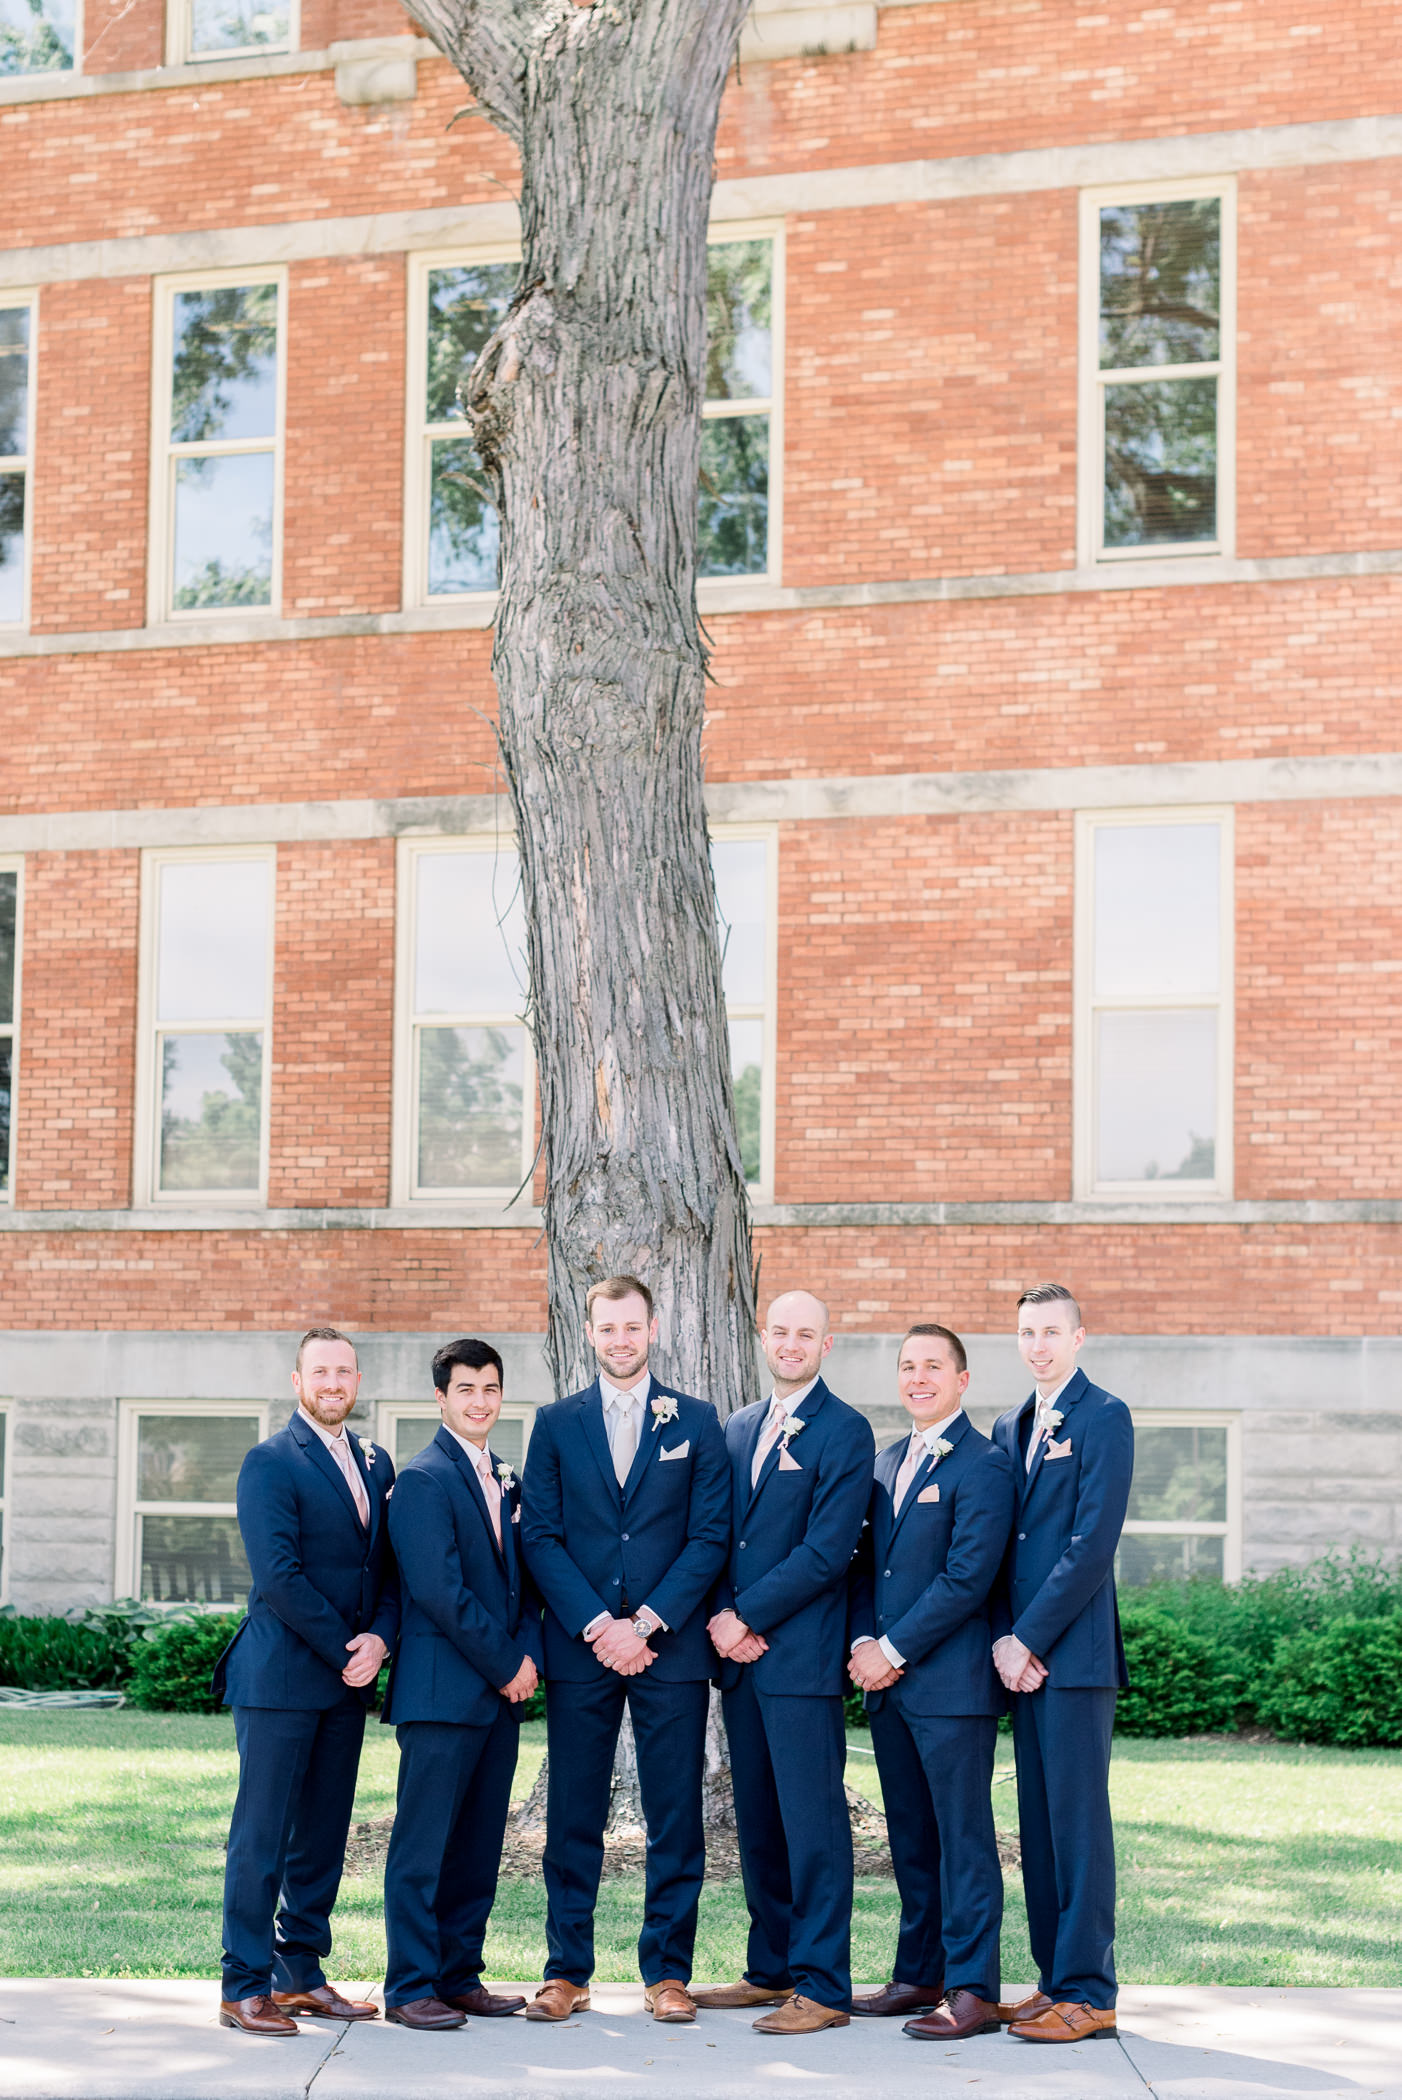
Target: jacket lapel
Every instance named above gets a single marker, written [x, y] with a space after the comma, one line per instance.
[1068, 1399]
[807, 1408]
[888, 1464]
[467, 1473]
[508, 1529]
[929, 1467]
[649, 1435]
[321, 1458]
[373, 1497]
[591, 1417]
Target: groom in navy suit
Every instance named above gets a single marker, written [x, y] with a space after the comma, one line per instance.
[1059, 1650]
[469, 1656]
[299, 1674]
[801, 1476]
[941, 1511]
[624, 1521]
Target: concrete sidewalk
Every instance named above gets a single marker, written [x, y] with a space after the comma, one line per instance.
[63, 2040]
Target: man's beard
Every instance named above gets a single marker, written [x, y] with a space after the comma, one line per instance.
[317, 1409]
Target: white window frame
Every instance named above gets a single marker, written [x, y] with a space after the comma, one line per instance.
[1229, 1532]
[10, 461]
[146, 1189]
[420, 434]
[180, 38]
[126, 1572]
[390, 1412]
[7, 1553]
[160, 593]
[13, 864]
[404, 1178]
[762, 1191]
[1086, 1005]
[1091, 550]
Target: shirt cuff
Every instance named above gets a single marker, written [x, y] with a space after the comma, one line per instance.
[599, 1619]
[892, 1655]
[862, 1641]
[659, 1624]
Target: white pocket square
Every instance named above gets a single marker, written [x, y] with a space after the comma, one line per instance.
[787, 1464]
[1055, 1450]
[929, 1494]
[677, 1450]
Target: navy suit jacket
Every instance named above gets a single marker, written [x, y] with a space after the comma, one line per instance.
[1057, 1591]
[318, 1575]
[470, 1611]
[923, 1578]
[659, 1539]
[793, 1537]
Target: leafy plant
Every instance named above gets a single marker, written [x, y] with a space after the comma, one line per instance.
[172, 1669]
[1340, 1685]
[1178, 1685]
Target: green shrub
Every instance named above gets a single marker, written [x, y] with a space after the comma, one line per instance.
[84, 1653]
[173, 1666]
[1177, 1685]
[1341, 1685]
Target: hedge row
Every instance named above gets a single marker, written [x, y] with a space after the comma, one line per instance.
[161, 1659]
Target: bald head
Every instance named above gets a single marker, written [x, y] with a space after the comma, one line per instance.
[795, 1338]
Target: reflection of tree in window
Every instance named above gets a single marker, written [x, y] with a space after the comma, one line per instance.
[747, 1084]
[739, 320]
[733, 512]
[225, 369]
[236, 25]
[465, 306]
[36, 36]
[1161, 462]
[9, 900]
[734, 515]
[220, 1148]
[1180, 1474]
[470, 1107]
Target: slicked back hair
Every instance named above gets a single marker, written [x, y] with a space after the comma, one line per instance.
[956, 1347]
[615, 1289]
[472, 1355]
[1051, 1294]
[326, 1334]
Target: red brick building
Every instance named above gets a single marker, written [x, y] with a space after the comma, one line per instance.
[1053, 521]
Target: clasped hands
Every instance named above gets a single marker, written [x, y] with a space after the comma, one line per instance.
[1019, 1668]
[367, 1653]
[618, 1648]
[732, 1639]
[870, 1669]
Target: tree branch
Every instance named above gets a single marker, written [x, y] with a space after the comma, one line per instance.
[487, 40]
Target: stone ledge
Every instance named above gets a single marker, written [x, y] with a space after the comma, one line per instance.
[806, 32]
[361, 55]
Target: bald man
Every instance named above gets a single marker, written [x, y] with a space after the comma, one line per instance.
[801, 1468]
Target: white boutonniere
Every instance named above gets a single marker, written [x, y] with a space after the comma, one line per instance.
[369, 1449]
[664, 1410]
[792, 1425]
[506, 1477]
[940, 1448]
[1054, 1418]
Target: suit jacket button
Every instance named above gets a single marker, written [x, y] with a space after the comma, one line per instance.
[625, 1538]
[1022, 1535]
[742, 1545]
[888, 1575]
[615, 1582]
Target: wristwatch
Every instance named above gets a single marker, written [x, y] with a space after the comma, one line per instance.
[644, 1625]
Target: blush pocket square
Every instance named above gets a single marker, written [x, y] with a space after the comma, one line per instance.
[677, 1450]
[1055, 1450]
[787, 1464]
[929, 1494]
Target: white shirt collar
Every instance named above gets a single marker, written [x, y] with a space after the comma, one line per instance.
[1052, 1398]
[928, 1437]
[329, 1437]
[794, 1402]
[476, 1452]
[614, 1395]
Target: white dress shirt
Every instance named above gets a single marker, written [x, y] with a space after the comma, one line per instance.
[1040, 1410]
[929, 1438]
[338, 1444]
[480, 1460]
[617, 1404]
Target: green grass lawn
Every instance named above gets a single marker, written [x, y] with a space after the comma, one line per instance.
[1239, 1863]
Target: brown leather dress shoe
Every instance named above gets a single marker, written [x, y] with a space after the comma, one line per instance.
[425, 2015]
[1068, 2023]
[254, 2016]
[1025, 2008]
[324, 2003]
[738, 1997]
[893, 1998]
[557, 1998]
[960, 2015]
[484, 2003]
[670, 2001]
[800, 2015]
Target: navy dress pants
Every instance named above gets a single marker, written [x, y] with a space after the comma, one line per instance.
[287, 1843]
[936, 1779]
[582, 1722]
[445, 1853]
[787, 1760]
[1062, 1743]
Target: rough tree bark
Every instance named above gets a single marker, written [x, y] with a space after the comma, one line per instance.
[586, 411]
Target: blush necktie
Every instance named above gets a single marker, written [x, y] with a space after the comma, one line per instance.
[491, 1489]
[341, 1452]
[625, 1440]
[1040, 1426]
[773, 1430]
[910, 1465]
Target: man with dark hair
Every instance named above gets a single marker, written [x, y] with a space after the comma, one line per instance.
[1058, 1648]
[941, 1510]
[469, 1656]
[323, 1610]
[624, 1522]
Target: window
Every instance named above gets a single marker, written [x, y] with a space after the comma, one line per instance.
[1157, 364]
[4, 1503]
[38, 36]
[16, 448]
[206, 990]
[1153, 1007]
[745, 867]
[466, 1077]
[453, 550]
[9, 1016]
[407, 1427]
[1185, 1504]
[199, 29]
[177, 1525]
[217, 467]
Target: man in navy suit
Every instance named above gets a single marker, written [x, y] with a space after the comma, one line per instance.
[624, 1520]
[937, 1530]
[469, 1656]
[1058, 1648]
[299, 1674]
[801, 1477]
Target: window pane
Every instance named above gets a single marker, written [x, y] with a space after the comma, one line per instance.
[212, 952]
[14, 351]
[193, 1560]
[11, 547]
[1160, 462]
[36, 36]
[1160, 272]
[734, 498]
[470, 934]
[211, 1111]
[1180, 1473]
[741, 898]
[471, 1085]
[508, 1440]
[465, 307]
[9, 901]
[234, 25]
[739, 320]
[464, 531]
[225, 376]
[224, 531]
[192, 1458]
[1150, 1558]
[4, 1424]
[1158, 918]
[412, 1434]
[1156, 1096]
[6, 1058]
[746, 1072]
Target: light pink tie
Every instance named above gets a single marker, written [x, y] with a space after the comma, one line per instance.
[491, 1488]
[1040, 1427]
[341, 1452]
[773, 1430]
[914, 1459]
